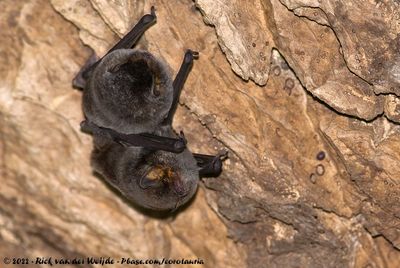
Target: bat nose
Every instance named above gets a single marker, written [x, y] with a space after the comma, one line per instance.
[179, 187]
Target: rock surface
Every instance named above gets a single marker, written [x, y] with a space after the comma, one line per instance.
[312, 178]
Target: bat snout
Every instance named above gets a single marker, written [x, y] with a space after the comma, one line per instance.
[179, 187]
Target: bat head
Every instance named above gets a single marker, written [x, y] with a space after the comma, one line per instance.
[162, 180]
[131, 88]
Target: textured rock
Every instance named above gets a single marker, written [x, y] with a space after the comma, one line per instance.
[310, 38]
[247, 49]
[368, 32]
[51, 204]
[312, 178]
[312, 51]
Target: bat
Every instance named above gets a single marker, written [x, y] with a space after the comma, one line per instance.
[129, 100]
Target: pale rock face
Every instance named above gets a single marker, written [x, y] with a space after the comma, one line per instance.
[323, 68]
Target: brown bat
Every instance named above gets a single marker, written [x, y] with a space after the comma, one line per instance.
[129, 101]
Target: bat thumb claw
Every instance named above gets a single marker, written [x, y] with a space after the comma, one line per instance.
[153, 11]
[182, 137]
[191, 55]
[223, 155]
[180, 145]
[84, 125]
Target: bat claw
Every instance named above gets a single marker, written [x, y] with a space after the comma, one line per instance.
[153, 11]
[180, 144]
[182, 136]
[191, 55]
[86, 127]
[223, 155]
[195, 54]
[149, 18]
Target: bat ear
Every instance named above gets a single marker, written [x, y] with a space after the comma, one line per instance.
[151, 178]
[145, 183]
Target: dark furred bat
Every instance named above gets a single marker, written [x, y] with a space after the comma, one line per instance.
[129, 100]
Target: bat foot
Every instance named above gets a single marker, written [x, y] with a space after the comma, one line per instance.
[90, 128]
[190, 55]
[149, 18]
[210, 165]
[223, 155]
